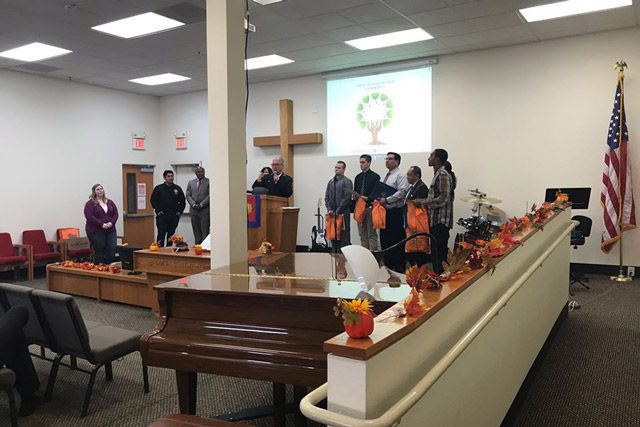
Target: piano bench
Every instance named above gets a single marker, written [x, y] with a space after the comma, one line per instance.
[184, 420]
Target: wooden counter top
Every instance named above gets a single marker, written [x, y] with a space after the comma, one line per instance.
[390, 328]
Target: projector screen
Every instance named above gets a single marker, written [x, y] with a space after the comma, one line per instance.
[379, 113]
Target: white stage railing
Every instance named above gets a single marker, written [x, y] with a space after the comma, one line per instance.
[393, 415]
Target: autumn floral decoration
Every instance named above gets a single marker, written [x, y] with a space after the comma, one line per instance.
[178, 241]
[420, 279]
[266, 248]
[357, 316]
[89, 266]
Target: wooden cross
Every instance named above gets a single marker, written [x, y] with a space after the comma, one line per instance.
[287, 139]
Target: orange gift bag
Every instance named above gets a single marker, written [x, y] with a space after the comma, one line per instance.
[379, 214]
[333, 227]
[417, 222]
[360, 211]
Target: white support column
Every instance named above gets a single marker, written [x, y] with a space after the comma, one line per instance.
[227, 130]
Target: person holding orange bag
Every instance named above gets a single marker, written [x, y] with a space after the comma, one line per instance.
[337, 200]
[439, 203]
[364, 184]
[416, 219]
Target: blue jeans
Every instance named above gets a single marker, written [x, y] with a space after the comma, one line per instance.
[103, 246]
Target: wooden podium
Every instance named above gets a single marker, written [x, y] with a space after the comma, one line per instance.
[278, 225]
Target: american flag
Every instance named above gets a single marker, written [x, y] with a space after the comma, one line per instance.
[617, 192]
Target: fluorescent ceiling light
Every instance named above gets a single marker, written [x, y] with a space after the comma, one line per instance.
[266, 61]
[266, 2]
[570, 7]
[390, 39]
[34, 52]
[139, 25]
[160, 79]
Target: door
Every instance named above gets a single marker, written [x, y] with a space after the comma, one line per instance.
[138, 217]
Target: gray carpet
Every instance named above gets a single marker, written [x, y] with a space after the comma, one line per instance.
[591, 374]
[588, 378]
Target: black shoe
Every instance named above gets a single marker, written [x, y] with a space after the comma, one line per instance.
[29, 405]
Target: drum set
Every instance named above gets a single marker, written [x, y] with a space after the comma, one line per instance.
[485, 219]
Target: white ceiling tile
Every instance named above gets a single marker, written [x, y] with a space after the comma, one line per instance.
[297, 43]
[389, 25]
[484, 37]
[368, 13]
[326, 22]
[319, 52]
[451, 29]
[416, 6]
[349, 33]
[500, 20]
[441, 16]
[480, 8]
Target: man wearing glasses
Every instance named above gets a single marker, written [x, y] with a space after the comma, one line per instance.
[394, 203]
[278, 183]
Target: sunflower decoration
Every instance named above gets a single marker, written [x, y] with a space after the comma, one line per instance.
[352, 311]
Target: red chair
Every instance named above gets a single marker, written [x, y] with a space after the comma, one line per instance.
[15, 256]
[73, 247]
[44, 252]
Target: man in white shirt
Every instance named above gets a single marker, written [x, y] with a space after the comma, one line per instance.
[393, 203]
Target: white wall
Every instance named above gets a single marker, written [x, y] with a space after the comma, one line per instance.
[515, 121]
[58, 139]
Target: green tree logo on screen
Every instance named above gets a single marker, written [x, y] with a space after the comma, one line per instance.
[374, 112]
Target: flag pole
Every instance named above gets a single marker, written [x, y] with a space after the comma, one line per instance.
[621, 277]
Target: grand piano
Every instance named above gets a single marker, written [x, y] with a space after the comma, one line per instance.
[264, 319]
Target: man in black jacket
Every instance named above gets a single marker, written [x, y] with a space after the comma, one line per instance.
[363, 186]
[168, 201]
[278, 183]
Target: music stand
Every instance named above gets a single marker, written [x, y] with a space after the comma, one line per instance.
[579, 196]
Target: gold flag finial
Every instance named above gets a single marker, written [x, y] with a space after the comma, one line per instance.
[620, 66]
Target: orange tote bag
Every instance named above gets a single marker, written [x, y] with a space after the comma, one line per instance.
[360, 211]
[333, 227]
[379, 214]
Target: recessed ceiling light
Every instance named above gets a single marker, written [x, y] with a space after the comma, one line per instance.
[390, 39]
[139, 25]
[266, 61]
[569, 7]
[34, 52]
[160, 79]
[266, 2]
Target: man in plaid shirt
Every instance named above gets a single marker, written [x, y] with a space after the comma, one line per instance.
[439, 204]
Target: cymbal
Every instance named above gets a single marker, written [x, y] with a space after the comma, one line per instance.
[481, 200]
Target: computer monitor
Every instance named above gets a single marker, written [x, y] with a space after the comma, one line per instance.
[579, 196]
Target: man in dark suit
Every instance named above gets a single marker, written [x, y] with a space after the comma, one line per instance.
[198, 199]
[278, 183]
[417, 190]
[14, 354]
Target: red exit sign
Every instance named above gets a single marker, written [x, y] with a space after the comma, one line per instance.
[138, 143]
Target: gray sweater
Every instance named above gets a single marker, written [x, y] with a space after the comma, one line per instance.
[341, 187]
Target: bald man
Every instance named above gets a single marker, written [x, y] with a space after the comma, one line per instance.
[198, 199]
